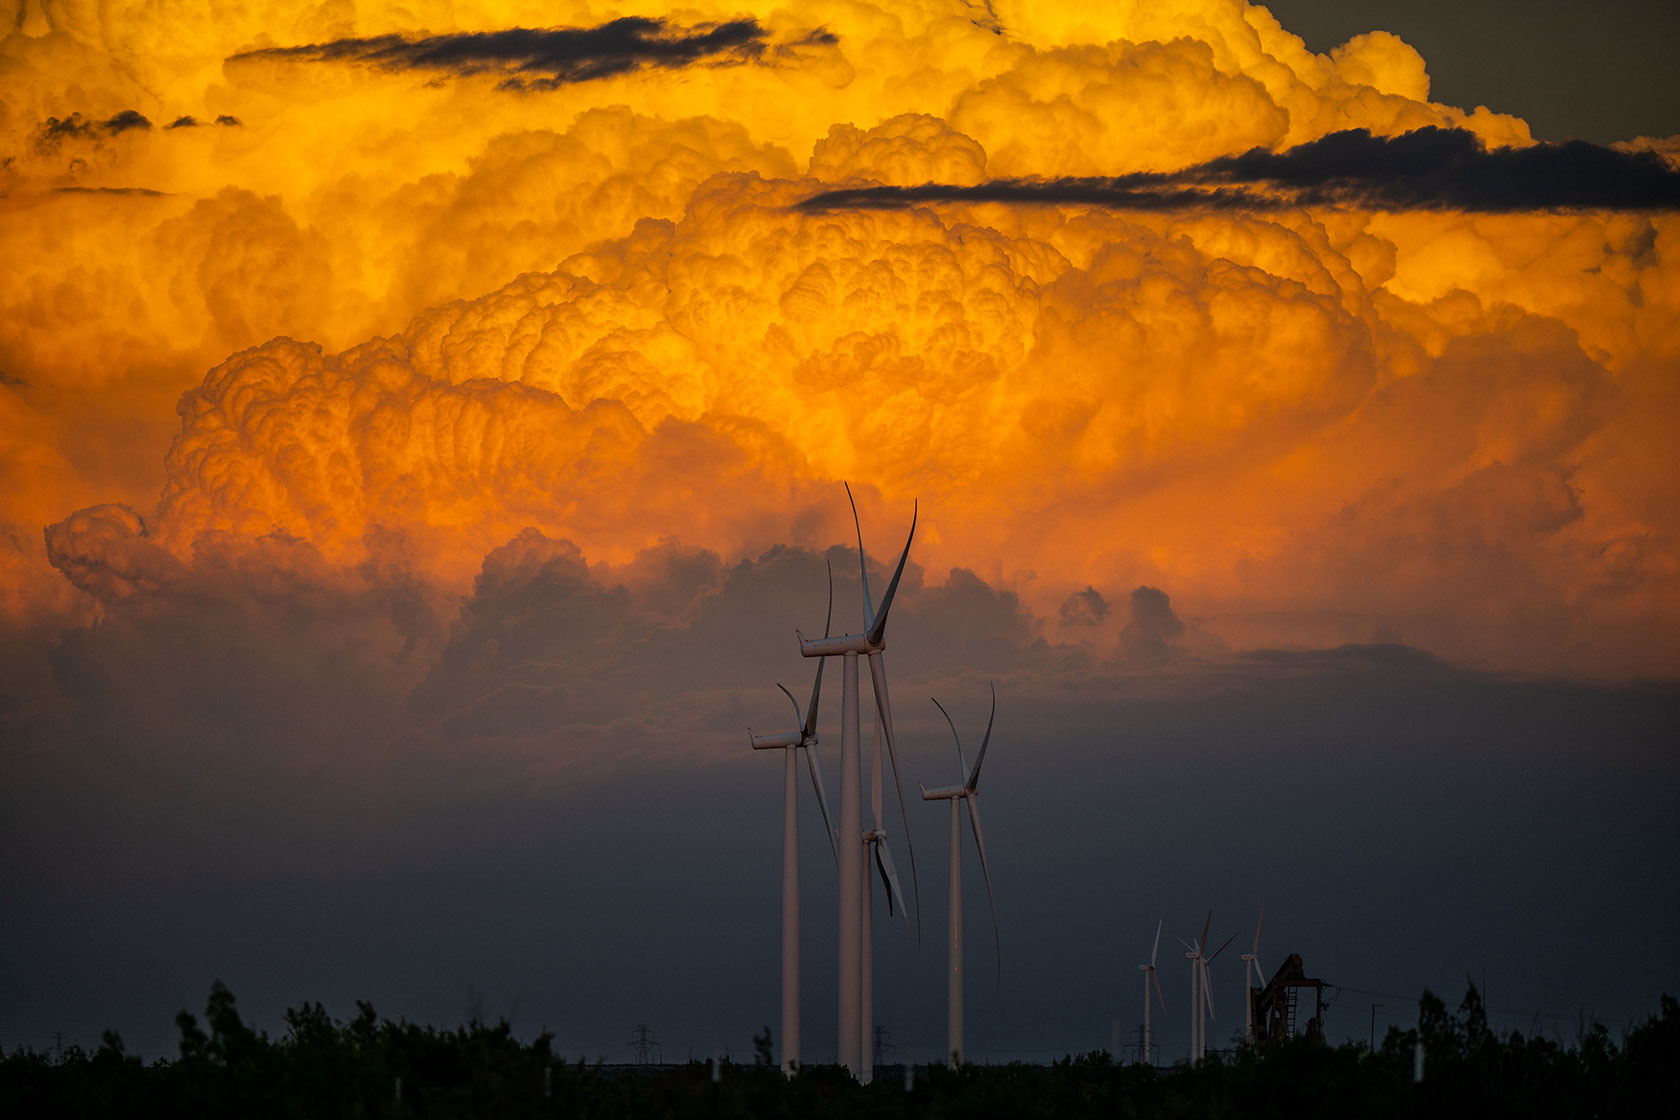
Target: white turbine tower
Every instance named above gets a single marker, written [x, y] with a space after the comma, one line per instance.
[969, 791]
[853, 881]
[1194, 956]
[1149, 977]
[791, 742]
[1201, 988]
[1253, 976]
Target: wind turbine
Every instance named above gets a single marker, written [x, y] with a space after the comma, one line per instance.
[791, 742]
[877, 853]
[968, 791]
[1149, 976]
[1194, 956]
[1251, 967]
[853, 881]
[1201, 986]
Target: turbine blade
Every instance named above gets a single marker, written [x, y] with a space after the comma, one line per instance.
[822, 800]
[961, 761]
[889, 879]
[868, 607]
[883, 712]
[1187, 945]
[828, 619]
[1207, 989]
[1157, 947]
[878, 628]
[980, 843]
[875, 775]
[1153, 975]
[1257, 926]
[1221, 949]
[1201, 942]
[980, 759]
[809, 729]
[789, 695]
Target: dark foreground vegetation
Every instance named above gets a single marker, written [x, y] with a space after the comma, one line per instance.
[321, 1068]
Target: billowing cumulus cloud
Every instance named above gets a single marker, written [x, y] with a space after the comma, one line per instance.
[599, 314]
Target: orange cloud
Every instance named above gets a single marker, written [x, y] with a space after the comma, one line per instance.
[442, 313]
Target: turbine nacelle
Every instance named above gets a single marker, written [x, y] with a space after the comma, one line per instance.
[946, 793]
[834, 647]
[769, 742]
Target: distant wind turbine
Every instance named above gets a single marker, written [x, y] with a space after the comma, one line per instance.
[1251, 968]
[853, 880]
[791, 743]
[968, 791]
[1149, 977]
[1194, 956]
[1201, 988]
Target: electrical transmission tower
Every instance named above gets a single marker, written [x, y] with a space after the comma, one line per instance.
[883, 1045]
[643, 1043]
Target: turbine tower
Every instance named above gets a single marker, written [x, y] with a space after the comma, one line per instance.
[1149, 977]
[968, 791]
[791, 742]
[876, 853]
[1251, 968]
[853, 881]
[1194, 956]
[1201, 988]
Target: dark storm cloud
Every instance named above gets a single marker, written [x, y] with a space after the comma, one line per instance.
[1443, 168]
[55, 130]
[543, 59]
[1427, 169]
[1129, 192]
[1148, 635]
[546, 642]
[1084, 608]
[144, 192]
[126, 120]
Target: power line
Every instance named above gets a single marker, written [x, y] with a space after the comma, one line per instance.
[643, 1043]
[882, 1046]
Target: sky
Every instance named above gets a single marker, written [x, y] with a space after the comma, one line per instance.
[422, 430]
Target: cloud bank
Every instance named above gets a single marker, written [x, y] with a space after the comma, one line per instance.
[556, 56]
[1426, 169]
[1383, 367]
